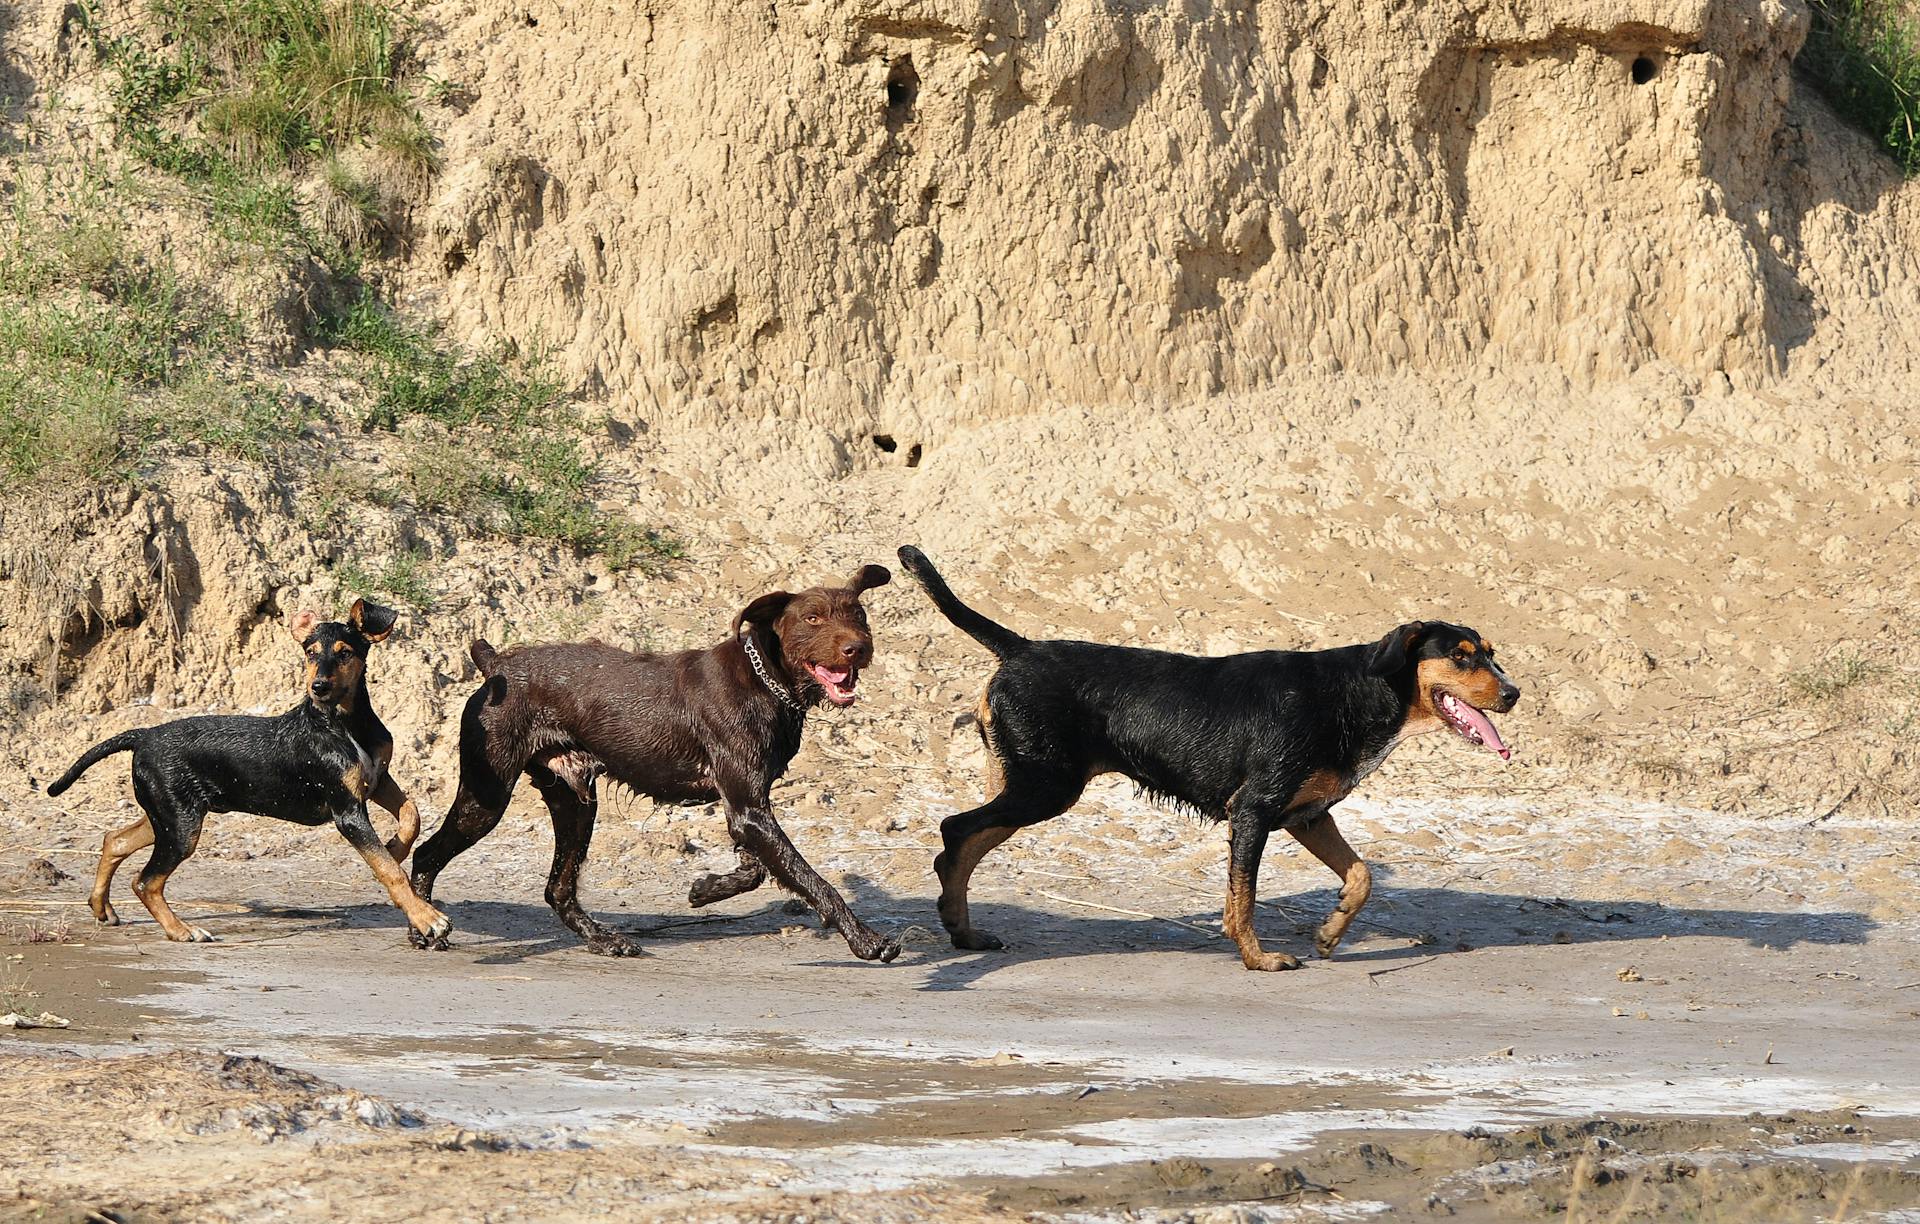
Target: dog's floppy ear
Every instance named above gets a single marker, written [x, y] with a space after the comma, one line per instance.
[1389, 654]
[301, 624]
[869, 577]
[762, 610]
[371, 621]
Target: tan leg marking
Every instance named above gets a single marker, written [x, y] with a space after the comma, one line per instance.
[389, 796]
[1356, 881]
[114, 850]
[154, 897]
[996, 772]
[421, 916]
[953, 881]
[1238, 923]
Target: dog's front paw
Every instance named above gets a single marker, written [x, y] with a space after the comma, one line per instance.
[195, 934]
[1270, 962]
[435, 936]
[973, 939]
[869, 945]
[1324, 944]
[612, 944]
[429, 942]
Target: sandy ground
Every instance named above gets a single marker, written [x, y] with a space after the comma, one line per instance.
[1508, 1036]
[1658, 965]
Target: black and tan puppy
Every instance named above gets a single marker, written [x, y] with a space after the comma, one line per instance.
[693, 726]
[1265, 741]
[320, 761]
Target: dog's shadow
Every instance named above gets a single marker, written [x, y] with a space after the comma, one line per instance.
[1400, 924]
[1422, 922]
[513, 932]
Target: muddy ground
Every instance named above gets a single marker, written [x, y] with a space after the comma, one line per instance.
[1506, 1038]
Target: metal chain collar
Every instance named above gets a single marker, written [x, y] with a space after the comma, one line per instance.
[775, 687]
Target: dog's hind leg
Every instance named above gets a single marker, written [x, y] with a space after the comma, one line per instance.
[468, 820]
[1249, 841]
[1322, 837]
[749, 875]
[176, 832]
[113, 851]
[490, 763]
[572, 834]
[1028, 799]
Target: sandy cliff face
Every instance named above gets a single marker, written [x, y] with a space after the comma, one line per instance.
[1211, 328]
[904, 216]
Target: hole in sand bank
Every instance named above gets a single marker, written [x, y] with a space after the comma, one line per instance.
[913, 455]
[903, 90]
[532, 21]
[455, 260]
[885, 442]
[1644, 70]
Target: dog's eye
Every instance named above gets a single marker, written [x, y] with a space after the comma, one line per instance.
[813, 620]
[1460, 657]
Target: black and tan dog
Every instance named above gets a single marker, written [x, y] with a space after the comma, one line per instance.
[320, 761]
[1265, 741]
[692, 726]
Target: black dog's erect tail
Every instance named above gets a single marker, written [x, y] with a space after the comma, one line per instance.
[123, 742]
[1001, 640]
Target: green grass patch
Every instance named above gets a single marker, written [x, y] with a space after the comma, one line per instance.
[107, 353]
[270, 83]
[1864, 55]
[1830, 677]
[234, 95]
[402, 579]
[416, 373]
[507, 457]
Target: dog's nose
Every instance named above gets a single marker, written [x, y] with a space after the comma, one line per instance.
[1509, 694]
[852, 649]
[321, 687]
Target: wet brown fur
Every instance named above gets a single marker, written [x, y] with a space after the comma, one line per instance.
[692, 726]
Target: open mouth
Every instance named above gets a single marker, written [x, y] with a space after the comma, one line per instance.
[836, 682]
[1472, 725]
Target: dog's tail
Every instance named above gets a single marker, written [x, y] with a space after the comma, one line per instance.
[124, 742]
[487, 659]
[1001, 640]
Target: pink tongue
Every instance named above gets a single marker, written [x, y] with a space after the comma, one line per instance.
[1484, 725]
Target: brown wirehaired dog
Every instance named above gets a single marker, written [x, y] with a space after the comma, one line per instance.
[693, 726]
[1264, 741]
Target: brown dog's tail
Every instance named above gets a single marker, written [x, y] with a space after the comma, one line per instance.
[123, 742]
[1001, 640]
[487, 659]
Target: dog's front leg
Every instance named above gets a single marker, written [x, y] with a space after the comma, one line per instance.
[1249, 841]
[754, 829]
[1321, 836]
[429, 923]
[389, 796]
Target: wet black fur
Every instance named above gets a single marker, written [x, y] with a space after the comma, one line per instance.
[1232, 738]
[291, 766]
